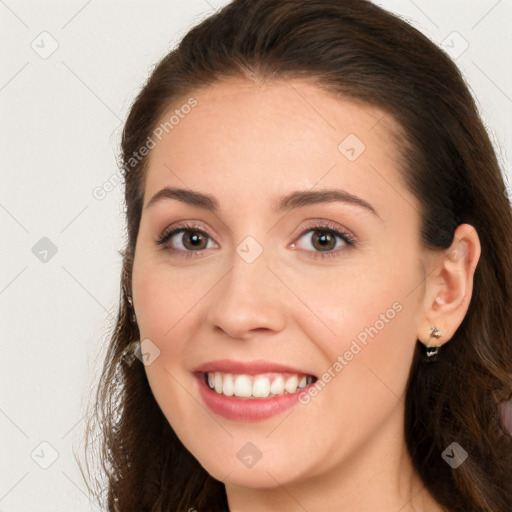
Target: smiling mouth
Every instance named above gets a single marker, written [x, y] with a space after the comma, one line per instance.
[265, 385]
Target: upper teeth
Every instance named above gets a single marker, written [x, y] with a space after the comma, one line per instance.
[256, 386]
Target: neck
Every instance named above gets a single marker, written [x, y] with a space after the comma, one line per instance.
[378, 476]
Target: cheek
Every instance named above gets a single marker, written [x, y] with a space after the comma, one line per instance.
[343, 302]
[367, 360]
[364, 323]
[163, 299]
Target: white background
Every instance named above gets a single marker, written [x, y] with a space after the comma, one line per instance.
[60, 123]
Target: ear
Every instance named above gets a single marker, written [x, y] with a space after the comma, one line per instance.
[449, 286]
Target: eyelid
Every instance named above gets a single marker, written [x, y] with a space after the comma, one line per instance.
[183, 226]
[313, 224]
[328, 225]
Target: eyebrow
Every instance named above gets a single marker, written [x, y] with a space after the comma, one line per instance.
[291, 201]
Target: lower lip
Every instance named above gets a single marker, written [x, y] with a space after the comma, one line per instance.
[246, 409]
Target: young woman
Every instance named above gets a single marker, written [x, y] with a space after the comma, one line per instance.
[317, 277]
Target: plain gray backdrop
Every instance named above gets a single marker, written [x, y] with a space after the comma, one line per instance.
[69, 72]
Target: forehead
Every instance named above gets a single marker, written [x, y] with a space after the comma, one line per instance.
[252, 140]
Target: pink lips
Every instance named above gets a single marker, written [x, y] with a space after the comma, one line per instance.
[245, 409]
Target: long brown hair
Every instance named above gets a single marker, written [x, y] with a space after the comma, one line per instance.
[359, 52]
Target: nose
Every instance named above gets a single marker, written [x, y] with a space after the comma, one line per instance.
[248, 299]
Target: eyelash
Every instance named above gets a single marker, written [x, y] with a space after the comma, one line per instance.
[329, 227]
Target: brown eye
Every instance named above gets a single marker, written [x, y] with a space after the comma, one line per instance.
[186, 240]
[326, 239]
[323, 240]
[190, 239]
[193, 240]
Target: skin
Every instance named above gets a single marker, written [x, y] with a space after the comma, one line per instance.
[247, 143]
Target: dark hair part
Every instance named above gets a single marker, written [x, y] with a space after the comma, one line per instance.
[360, 52]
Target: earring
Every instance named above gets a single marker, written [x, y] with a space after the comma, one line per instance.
[131, 351]
[130, 301]
[431, 351]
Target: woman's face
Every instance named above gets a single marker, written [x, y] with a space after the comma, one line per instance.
[278, 292]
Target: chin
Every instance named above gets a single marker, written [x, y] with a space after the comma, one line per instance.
[235, 467]
[252, 478]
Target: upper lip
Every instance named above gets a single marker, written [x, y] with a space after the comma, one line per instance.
[254, 367]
